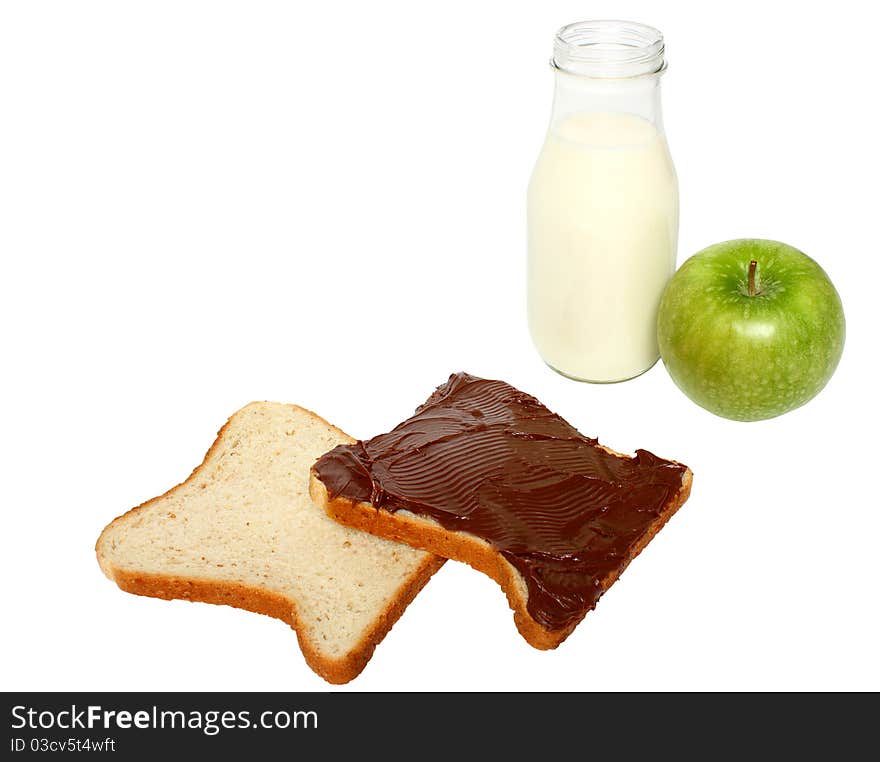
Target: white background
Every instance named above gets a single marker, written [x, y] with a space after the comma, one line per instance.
[203, 204]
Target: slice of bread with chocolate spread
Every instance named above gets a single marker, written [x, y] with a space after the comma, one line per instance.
[485, 474]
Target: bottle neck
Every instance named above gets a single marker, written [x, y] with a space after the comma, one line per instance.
[578, 94]
[611, 67]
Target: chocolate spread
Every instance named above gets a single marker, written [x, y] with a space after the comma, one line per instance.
[482, 457]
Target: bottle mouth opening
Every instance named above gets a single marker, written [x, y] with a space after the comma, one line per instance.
[609, 49]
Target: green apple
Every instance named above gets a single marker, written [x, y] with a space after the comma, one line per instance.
[750, 329]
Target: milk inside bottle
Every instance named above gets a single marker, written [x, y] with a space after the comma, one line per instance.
[602, 206]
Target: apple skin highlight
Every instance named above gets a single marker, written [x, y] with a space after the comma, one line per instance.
[746, 356]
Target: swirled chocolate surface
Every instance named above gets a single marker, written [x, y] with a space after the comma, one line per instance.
[482, 457]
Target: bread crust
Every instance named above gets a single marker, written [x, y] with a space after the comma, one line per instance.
[426, 534]
[260, 600]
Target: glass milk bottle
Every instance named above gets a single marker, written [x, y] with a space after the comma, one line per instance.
[602, 205]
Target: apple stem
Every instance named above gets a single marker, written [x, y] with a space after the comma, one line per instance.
[753, 266]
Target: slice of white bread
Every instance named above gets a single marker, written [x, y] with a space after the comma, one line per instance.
[242, 531]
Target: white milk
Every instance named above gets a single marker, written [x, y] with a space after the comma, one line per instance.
[603, 226]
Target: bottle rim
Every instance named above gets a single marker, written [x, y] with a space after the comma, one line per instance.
[609, 49]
